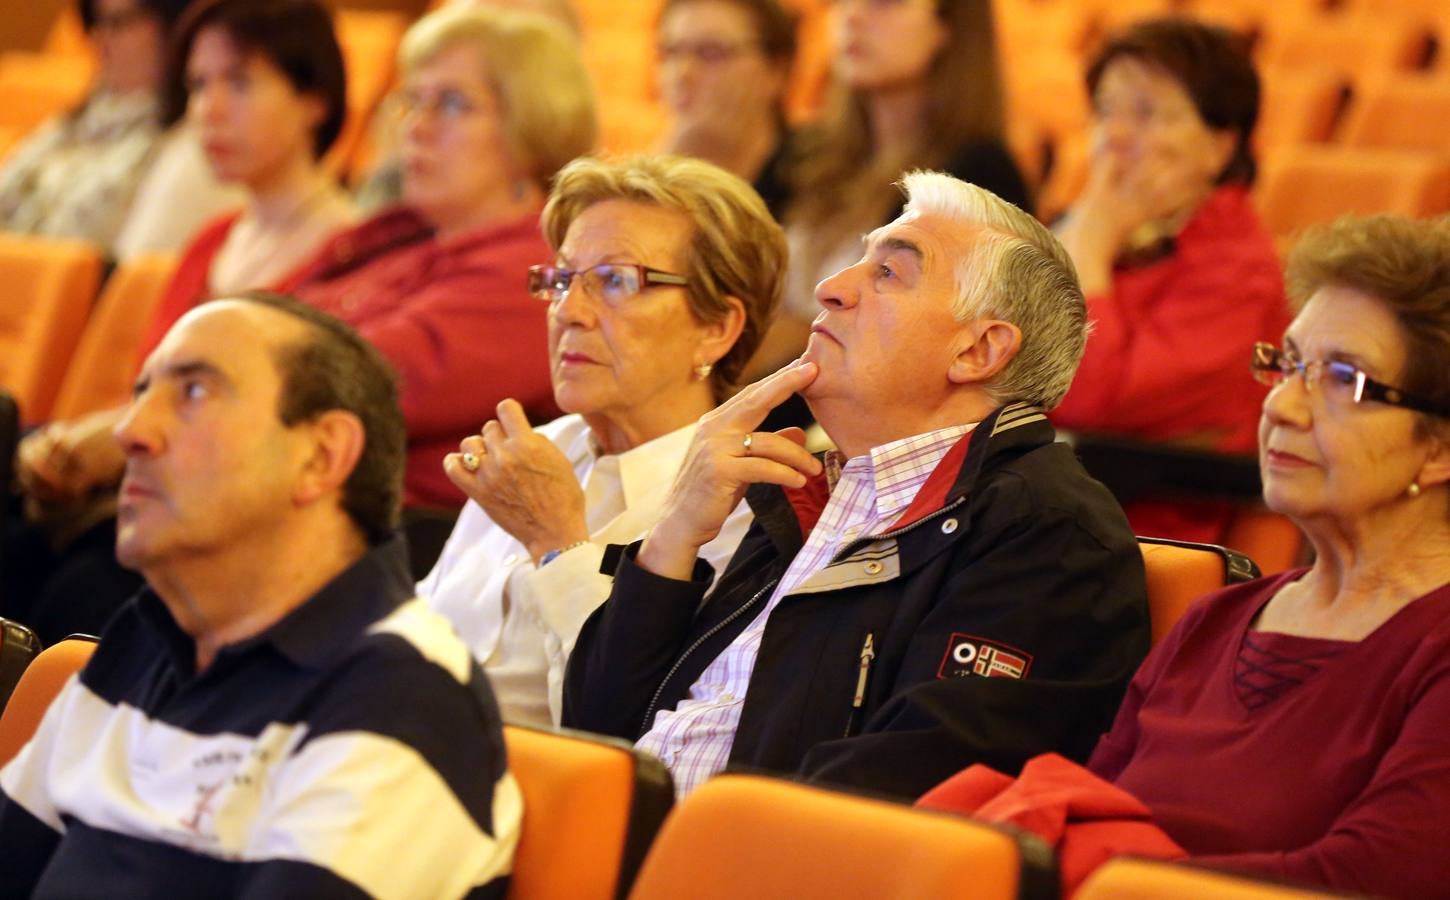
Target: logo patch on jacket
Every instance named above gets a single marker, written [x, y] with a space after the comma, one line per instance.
[970, 655]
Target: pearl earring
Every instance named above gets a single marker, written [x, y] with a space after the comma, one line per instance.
[702, 371]
[1413, 490]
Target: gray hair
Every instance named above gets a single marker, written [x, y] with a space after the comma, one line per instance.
[1018, 272]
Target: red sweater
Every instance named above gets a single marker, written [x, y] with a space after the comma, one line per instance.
[456, 319]
[1307, 759]
[1168, 357]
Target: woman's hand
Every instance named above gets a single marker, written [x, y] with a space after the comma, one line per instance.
[64, 461]
[719, 466]
[522, 481]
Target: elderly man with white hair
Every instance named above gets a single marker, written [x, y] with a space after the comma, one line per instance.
[949, 587]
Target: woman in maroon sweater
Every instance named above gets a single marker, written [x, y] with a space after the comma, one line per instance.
[1299, 726]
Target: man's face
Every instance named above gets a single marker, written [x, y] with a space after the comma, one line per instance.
[208, 463]
[886, 336]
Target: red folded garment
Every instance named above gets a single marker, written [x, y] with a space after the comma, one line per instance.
[1085, 819]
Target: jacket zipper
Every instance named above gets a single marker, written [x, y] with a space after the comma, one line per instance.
[860, 542]
[654, 701]
[868, 653]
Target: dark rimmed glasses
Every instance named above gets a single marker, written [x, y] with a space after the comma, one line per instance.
[611, 282]
[1336, 379]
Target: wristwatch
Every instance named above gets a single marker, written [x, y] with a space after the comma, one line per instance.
[557, 552]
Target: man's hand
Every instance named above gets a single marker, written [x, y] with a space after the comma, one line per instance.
[522, 481]
[720, 465]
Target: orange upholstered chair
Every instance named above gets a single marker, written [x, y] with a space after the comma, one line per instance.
[49, 288]
[37, 86]
[1272, 541]
[1179, 572]
[1303, 185]
[42, 680]
[1141, 879]
[757, 837]
[1298, 106]
[1354, 45]
[1408, 111]
[591, 807]
[100, 372]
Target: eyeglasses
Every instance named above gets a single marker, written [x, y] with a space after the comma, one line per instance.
[1337, 380]
[611, 282]
[704, 52]
[449, 104]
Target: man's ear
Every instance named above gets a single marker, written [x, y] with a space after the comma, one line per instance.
[337, 439]
[984, 347]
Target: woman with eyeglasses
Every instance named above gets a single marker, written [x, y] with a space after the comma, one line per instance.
[1180, 276]
[74, 177]
[1296, 726]
[665, 272]
[724, 67]
[493, 103]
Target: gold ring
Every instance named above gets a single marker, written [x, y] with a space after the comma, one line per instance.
[746, 442]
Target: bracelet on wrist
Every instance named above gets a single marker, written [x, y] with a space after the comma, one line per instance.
[554, 554]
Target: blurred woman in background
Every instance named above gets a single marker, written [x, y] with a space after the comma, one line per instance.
[917, 85]
[1180, 276]
[75, 176]
[724, 67]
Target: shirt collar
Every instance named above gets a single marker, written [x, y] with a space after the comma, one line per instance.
[317, 633]
[639, 467]
[898, 469]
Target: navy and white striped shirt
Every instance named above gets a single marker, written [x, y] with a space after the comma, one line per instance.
[352, 749]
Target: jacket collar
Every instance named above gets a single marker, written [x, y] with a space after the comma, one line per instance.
[788, 515]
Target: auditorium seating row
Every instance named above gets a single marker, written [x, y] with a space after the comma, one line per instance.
[600, 820]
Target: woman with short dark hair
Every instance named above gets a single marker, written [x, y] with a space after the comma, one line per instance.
[75, 176]
[1180, 276]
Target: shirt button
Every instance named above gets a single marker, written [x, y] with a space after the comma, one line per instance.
[949, 526]
[873, 567]
[727, 697]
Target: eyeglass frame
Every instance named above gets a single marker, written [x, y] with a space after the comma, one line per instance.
[707, 53]
[1268, 359]
[646, 275]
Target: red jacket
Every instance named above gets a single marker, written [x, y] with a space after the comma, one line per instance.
[454, 316]
[1087, 820]
[1168, 357]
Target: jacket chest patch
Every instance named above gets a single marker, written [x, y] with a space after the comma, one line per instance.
[968, 655]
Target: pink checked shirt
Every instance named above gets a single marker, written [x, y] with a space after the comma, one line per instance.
[872, 492]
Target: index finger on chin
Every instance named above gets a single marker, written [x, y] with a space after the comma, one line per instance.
[749, 408]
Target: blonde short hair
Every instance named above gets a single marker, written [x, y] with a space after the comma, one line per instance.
[737, 249]
[1017, 272]
[536, 71]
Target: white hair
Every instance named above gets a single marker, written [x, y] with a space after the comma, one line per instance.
[1015, 271]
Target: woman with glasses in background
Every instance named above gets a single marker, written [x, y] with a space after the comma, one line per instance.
[1296, 725]
[665, 272]
[724, 67]
[493, 103]
[75, 175]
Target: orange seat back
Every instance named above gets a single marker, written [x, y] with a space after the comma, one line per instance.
[49, 288]
[1305, 185]
[1269, 539]
[38, 686]
[591, 807]
[756, 837]
[100, 373]
[1408, 111]
[1141, 879]
[1178, 573]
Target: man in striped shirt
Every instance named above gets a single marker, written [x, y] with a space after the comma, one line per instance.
[952, 588]
[275, 715]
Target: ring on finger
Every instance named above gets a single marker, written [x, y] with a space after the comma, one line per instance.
[470, 461]
[746, 441]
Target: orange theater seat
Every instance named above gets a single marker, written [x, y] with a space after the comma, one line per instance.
[1407, 111]
[36, 86]
[591, 807]
[756, 837]
[1304, 185]
[1141, 879]
[42, 680]
[1269, 539]
[49, 287]
[1298, 106]
[100, 373]
[1179, 572]
[1353, 45]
